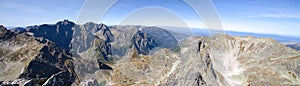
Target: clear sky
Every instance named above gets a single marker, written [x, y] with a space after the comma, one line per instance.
[263, 16]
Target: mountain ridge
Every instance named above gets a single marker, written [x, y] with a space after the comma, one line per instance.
[92, 54]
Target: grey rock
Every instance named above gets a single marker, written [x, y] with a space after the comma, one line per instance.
[61, 33]
[18, 30]
[143, 43]
[3, 30]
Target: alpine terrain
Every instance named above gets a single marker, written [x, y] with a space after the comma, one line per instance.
[68, 54]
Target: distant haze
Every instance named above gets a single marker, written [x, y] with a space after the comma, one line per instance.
[281, 17]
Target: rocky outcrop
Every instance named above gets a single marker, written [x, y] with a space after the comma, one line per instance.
[61, 33]
[5, 34]
[252, 61]
[17, 82]
[18, 30]
[3, 31]
[104, 50]
[31, 60]
[147, 38]
[163, 38]
[76, 38]
[84, 36]
[49, 63]
[142, 42]
[60, 78]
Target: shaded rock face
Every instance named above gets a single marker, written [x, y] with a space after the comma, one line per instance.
[59, 44]
[104, 49]
[5, 34]
[154, 37]
[109, 37]
[84, 36]
[162, 37]
[40, 57]
[296, 46]
[18, 30]
[50, 61]
[76, 38]
[103, 66]
[33, 61]
[123, 36]
[293, 45]
[143, 43]
[61, 33]
[147, 38]
[3, 31]
[61, 78]
[93, 41]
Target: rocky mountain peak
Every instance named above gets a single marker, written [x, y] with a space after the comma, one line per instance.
[3, 30]
[33, 62]
[142, 42]
[106, 33]
[65, 22]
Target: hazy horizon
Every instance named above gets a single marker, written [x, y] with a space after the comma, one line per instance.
[176, 27]
[280, 17]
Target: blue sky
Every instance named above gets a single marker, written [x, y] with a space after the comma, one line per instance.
[262, 16]
[32, 12]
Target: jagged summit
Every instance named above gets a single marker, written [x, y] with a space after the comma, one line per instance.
[3, 30]
[65, 22]
[143, 43]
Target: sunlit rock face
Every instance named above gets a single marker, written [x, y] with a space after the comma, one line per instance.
[95, 54]
[254, 61]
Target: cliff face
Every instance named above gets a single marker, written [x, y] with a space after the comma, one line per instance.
[95, 54]
[25, 60]
[45, 52]
[61, 33]
[143, 43]
[250, 61]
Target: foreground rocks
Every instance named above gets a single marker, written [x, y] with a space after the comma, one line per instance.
[25, 58]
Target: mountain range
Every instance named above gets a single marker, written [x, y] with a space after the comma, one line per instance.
[65, 54]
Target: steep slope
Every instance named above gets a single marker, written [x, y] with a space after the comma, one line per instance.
[254, 61]
[143, 38]
[84, 36]
[27, 61]
[143, 43]
[89, 44]
[61, 33]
